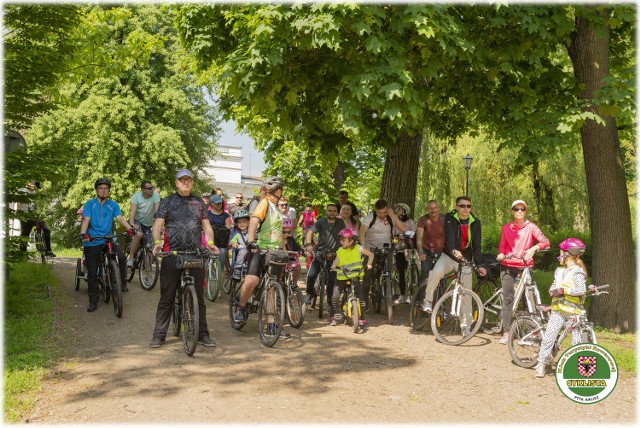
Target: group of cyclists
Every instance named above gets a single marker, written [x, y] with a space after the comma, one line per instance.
[186, 222]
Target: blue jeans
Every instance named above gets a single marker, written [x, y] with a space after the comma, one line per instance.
[426, 265]
[312, 274]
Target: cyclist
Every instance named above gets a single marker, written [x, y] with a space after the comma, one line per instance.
[327, 229]
[307, 218]
[289, 244]
[376, 231]
[350, 218]
[463, 238]
[239, 242]
[430, 238]
[218, 191]
[238, 204]
[287, 212]
[569, 284]
[266, 223]
[349, 256]
[143, 206]
[184, 217]
[98, 214]
[220, 221]
[403, 212]
[517, 237]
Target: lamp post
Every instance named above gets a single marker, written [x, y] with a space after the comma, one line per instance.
[467, 166]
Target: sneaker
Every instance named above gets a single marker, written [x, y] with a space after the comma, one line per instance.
[308, 298]
[92, 307]
[206, 341]
[407, 299]
[239, 316]
[399, 300]
[541, 370]
[426, 307]
[504, 339]
[271, 331]
[124, 288]
[130, 263]
[50, 254]
[156, 342]
[333, 322]
[284, 335]
[363, 325]
[465, 331]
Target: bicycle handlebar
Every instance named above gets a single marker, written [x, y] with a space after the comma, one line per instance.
[198, 252]
[107, 237]
[594, 290]
[521, 256]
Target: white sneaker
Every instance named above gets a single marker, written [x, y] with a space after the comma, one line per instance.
[426, 307]
[407, 299]
[504, 340]
[465, 331]
[541, 370]
[399, 300]
[130, 263]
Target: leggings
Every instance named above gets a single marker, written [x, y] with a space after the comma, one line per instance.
[556, 321]
[337, 294]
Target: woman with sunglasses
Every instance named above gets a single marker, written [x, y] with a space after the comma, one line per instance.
[519, 238]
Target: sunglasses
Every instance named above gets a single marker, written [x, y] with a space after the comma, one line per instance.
[283, 205]
[148, 188]
[286, 232]
[519, 209]
[465, 206]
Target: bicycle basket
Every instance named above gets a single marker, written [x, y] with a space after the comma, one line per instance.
[189, 262]
[276, 260]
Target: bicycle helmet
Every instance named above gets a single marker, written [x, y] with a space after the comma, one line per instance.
[346, 233]
[100, 181]
[573, 246]
[287, 223]
[405, 208]
[273, 183]
[240, 214]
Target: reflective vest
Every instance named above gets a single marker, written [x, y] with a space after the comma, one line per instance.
[349, 261]
[566, 303]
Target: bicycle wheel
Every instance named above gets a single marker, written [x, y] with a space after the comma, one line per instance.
[355, 317]
[449, 323]
[295, 302]
[376, 295]
[116, 287]
[211, 279]
[104, 283]
[226, 286]
[190, 320]
[322, 285]
[130, 270]
[587, 335]
[387, 283]
[417, 316]
[525, 337]
[78, 273]
[148, 270]
[271, 311]
[234, 298]
[176, 317]
[412, 279]
[485, 289]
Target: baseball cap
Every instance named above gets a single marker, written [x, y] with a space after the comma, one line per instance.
[183, 173]
[518, 202]
[216, 199]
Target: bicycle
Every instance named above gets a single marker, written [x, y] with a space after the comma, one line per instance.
[81, 271]
[382, 284]
[351, 311]
[404, 243]
[109, 279]
[458, 314]
[292, 293]
[320, 286]
[526, 332]
[211, 276]
[185, 318]
[417, 316]
[146, 263]
[267, 298]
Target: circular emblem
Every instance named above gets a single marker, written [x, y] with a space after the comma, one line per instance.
[586, 373]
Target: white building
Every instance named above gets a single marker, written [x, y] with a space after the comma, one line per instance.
[225, 172]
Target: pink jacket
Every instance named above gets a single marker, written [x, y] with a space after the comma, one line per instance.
[516, 240]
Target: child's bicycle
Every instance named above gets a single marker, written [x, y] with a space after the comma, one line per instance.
[526, 332]
[351, 311]
[293, 294]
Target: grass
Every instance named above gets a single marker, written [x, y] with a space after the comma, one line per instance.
[29, 314]
[67, 252]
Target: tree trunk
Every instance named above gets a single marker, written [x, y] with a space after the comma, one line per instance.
[399, 179]
[610, 216]
[338, 176]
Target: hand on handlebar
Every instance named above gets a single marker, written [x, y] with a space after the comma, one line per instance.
[457, 254]
[556, 292]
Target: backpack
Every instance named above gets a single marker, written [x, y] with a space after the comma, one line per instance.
[389, 220]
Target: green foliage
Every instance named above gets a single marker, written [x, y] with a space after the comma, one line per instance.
[27, 329]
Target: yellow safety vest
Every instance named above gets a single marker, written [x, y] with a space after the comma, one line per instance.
[349, 260]
[567, 303]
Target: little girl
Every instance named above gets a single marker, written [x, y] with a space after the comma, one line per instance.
[349, 257]
[569, 284]
[239, 242]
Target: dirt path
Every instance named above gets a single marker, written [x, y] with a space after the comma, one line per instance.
[389, 374]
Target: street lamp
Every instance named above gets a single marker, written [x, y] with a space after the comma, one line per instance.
[467, 166]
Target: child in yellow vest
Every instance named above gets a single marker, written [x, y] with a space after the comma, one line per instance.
[349, 257]
[569, 284]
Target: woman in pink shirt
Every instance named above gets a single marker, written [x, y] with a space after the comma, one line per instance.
[307, 219]
[519, 238]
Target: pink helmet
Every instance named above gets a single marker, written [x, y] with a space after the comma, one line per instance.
[346, 233]
[287, 223]
[573, 246]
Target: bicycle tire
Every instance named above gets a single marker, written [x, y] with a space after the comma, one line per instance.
[525, 353]
[148, 270]
[131, 272]
[447, 327]
[587, 335]
[295, 303]
[212, 271]
[412, 279]
[190, 320]
[78, 273]
[322, 285]
[417, 316]
[105, 284]
[355, 317]
[269, 336]
[176, 317]
[485, 288]
[234, 297]
[116, 287]
[226, 286]
[388, 295]
[376, 296]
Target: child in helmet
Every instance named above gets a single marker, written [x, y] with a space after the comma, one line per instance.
[239, 242]
[289, 244]
[349, 256]
[569, 284]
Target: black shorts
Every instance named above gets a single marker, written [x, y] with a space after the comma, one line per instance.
[256, 261]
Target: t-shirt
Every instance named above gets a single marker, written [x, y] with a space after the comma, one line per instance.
[307, 218]
[378, 234]
[183, 216]
[144, 207]
[433, 236]
[218, 220]
[102, 216]
[270, 234]
[328, 238]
